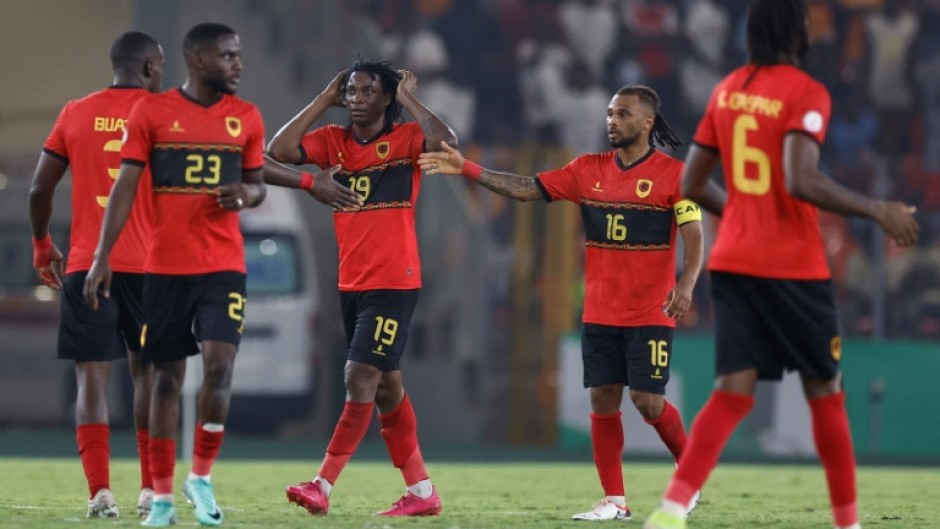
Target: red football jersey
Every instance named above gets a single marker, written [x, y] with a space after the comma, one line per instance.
[378, 246]
[87, 136]
[764, 231]
[192, 149]
[629, 216]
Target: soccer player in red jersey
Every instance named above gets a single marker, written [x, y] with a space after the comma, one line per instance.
[630, 207]
[770, 280]
[379, 269]
[205, 149]
[87, 137]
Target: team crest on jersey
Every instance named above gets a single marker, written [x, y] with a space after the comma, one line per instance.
[643, 188]
[381, 149]
[835, 346]
[233, 126]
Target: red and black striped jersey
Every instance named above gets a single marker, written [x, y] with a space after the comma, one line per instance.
[378, 246]
[192, 149]
[630, 216]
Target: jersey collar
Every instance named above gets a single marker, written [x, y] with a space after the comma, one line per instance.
[195, 101]
[636, 162]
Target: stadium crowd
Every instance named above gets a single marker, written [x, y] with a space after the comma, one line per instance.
[489, 66]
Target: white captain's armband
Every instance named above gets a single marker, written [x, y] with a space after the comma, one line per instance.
[687, 211]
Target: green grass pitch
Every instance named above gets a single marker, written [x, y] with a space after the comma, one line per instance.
[50, 493]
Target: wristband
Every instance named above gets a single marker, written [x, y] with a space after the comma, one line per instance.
[306, 181]
[41, 245]
[471, 170]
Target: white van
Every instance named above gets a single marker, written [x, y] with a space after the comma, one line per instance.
[273, 378]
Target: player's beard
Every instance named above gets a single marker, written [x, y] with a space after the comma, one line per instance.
[218, 84]
[625, 141]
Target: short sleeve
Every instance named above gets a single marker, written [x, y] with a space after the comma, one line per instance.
[55, 144]
[418, 142]
[560, 184]
[810, 112]
[137, 139]
[705, 132]
[315, 146]
[253, 154]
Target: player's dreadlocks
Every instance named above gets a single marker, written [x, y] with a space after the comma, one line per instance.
[776, 30]
[661, 132]
[388, 78]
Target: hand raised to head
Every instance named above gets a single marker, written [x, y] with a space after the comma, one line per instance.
[408, 83]
[334, 90]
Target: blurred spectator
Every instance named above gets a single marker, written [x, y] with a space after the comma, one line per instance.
[425, 55]
[591, 30]
[891, 34]
[706, 29]
[579, 95]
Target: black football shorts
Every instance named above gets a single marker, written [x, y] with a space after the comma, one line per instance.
[107, 333]
[775, 325]
[182, 310]
[376, 323]
[638, 357]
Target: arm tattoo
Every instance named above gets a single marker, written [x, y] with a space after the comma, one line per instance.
[510, 185]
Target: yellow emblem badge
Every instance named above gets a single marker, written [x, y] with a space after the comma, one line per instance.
[233, 126]
[381, 149]
[835, 345]
[643, 188]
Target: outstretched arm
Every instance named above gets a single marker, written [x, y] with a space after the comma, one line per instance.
[434, 129]
[115, 216]
[285, 145]
[320, 186]
[697, 184]
[806, 182]
[47, 259]
[449, 161]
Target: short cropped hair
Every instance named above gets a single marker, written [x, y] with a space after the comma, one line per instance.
[131, 48]
[205, 33]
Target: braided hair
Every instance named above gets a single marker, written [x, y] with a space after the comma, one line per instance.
[776, 29]
[661, 132]
[388, 78]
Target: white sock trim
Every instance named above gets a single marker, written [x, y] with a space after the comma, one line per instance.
[422, 489]
[213, 427]
[674, 508]
[325, 485]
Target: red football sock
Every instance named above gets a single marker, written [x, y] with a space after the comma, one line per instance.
[834, 444]
[607, 445]
[143, 452]
[162, 464]
[95, 450]
[400, 432]
[669, 427]
[351, 428]
[710, 432]
[206, 447]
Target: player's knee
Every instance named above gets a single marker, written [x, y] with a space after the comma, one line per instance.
[217, 377]
[649, 405]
